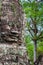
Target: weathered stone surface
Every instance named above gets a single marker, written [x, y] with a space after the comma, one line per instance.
[12, 49]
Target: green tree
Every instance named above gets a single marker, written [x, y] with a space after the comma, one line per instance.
[40, 48]
[34, 13]
[29, 46]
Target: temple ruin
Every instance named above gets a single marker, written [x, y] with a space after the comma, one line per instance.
[12, 47]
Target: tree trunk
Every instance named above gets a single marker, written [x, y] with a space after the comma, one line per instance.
[35, 50]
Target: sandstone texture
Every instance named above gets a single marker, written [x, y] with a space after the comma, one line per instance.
[12, 47]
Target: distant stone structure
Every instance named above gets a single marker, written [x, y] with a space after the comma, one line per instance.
[12, 47]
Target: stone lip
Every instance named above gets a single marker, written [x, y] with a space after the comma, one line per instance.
[14, 32]
[11, 36]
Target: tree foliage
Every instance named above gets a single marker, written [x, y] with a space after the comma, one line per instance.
[34, 13]
[29, 47]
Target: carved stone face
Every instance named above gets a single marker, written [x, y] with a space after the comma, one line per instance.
[12, 34]
[11, 13]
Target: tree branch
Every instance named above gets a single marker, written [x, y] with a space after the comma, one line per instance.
[30, 32]
[39, 38]
[34, 24]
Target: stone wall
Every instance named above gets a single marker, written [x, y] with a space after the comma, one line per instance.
[12, 47]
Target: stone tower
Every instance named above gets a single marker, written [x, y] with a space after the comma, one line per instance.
[12, 48]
